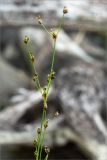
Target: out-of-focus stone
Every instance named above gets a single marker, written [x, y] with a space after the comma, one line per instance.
[10, 80]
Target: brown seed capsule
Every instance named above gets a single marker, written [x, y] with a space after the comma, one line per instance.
[56, 114]
[47, 149]
[35, 77]
[39, 20]
[35, 142]
[65, 10]
[31, 56]
[52, 75]
[46, 124]
[54, 35]
[26, 39]
[39, 131]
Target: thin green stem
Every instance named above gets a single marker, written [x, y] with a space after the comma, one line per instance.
[59, 28]
[41, 134]
[54, 52]
[46, 29]
[46, 157]
[52, 65]
[43, 138]
[53, 58]
[39, 141]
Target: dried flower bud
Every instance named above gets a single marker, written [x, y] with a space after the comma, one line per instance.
[52, 75]
[54, 35]
[31, 56]
[35, 142]
[26, 39]
[46, 124]
[47, 149]
[39, 20]
[56, 114]
[65, 10]
[35, 77]
[39, 131]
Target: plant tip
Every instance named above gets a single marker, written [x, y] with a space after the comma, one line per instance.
[54, 35]
[65, 10]
[39, 20]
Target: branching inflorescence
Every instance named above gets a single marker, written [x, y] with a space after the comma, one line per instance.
[39, 141]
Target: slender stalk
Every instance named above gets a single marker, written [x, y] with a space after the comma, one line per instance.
[46, 157]
[60, 26]
[53, 59]
[46, 29]
[43, 138]
[39, 141]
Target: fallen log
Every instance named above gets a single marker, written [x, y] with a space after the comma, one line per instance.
[89, 16]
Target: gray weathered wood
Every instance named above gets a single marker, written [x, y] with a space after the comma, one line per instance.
[88, 15]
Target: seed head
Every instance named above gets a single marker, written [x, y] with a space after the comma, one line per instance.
[39, 131]
[31, 56]
[46, 124]
[26, 39]
[35, 77]
[39, 20]
[54, 35]
[65, 10]
[47, 149]
[35, 142]
[52, 75]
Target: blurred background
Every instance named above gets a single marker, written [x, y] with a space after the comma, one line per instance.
[79, 91]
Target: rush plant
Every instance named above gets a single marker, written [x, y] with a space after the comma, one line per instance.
[41, 132]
